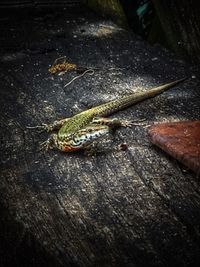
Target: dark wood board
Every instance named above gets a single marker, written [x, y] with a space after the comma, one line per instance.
[119, 208]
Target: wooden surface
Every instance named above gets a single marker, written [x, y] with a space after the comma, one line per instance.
[120, 208]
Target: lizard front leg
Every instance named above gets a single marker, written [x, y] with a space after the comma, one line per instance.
[56, 125]
[50, 143]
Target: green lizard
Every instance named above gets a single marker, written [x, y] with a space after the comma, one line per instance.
[79, 131]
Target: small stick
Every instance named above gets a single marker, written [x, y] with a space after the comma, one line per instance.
[89, 72]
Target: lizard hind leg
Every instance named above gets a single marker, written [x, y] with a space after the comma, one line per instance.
[113, 122]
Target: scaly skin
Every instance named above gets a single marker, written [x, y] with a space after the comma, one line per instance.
[80, 130]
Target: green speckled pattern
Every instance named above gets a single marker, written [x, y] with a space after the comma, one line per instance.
[82, 119]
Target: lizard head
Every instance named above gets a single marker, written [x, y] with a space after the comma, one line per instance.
[70, 143]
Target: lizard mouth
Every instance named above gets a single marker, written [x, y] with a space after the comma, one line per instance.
[68, 148]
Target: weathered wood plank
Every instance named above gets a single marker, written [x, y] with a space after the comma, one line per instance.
[120, 208]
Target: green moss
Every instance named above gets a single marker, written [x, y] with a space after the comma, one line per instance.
[111, 9]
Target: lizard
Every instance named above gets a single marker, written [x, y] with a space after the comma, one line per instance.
[79, 131]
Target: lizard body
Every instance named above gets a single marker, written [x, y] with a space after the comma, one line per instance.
[80, 130]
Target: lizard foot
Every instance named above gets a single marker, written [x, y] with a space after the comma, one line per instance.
[126, 123]
[46, 145]
[43, 127]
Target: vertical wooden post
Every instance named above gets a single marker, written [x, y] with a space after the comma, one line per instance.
[180, 21]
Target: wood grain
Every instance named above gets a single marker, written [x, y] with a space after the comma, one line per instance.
[120, 208]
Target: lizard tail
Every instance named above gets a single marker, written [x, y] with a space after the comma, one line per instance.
[126, 101]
